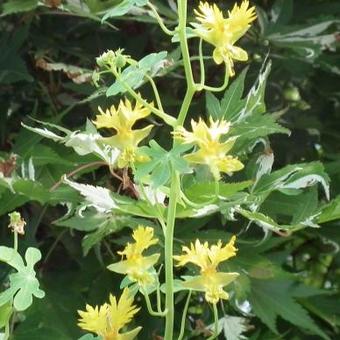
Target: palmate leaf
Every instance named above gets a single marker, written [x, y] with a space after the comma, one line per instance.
[133, 75]
[272, 298]
[122, 8]
[23, 284]
[161, 162]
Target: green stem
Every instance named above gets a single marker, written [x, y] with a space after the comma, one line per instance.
[200, 53]
[159, 302]
[191, 87]
[215, 89]
[167, 118]
[184, 316]
[15, 245]
[217, 189]
[169, 235]
[160, 20]
[175, 185]
[7, 331]
[155, 91]
[185, 106]
[215, 335]
[149, 307]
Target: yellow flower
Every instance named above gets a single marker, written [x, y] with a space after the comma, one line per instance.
[223, 32]
[210, 280]
[137, 266]
[122, 121]
[211, 151]
[94, 319]
[108, 319]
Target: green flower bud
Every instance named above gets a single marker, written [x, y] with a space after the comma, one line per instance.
[95, 78]
[292, 94]
[107, 58]
[16, 223]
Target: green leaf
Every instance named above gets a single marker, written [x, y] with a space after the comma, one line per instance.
[152, 61]
[106, 228]
[83, 143]
[42, 155]
[87, 220]
[254, 102]
[294, 177]
[31, 189]
[325, 307]
[98, 197]
[233, 327]
[301, 208]
[12, 66]
[6, 311]
[105, 201]
[271, 298]
[261, 220]
[90, 337]
[133, 75]
[254, 127]
[161, 161]
[23, 284]
[16, 6]
[331, 211]
[122, 8]
[206, 190]
[111, 224]
[231, 103]
[282, 11]
[213, 106]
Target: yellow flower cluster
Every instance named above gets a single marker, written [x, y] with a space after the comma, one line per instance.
[137, 266]
[108, 319]
[208, 258]
[223, 32]
[122, 119]
[211, 151]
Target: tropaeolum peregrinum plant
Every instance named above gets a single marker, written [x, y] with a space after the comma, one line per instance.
[167, 184]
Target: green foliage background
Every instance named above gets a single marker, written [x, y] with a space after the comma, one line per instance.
[288, 286]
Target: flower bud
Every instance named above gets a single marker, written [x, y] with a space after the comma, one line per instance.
[16, 223]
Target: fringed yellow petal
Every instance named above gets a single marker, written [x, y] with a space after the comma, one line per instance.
[108, 319]
[137, 266]
[208, 258]
[211, 151]
[122, 119]
[223, 32]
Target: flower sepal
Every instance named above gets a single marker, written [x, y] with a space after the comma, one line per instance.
[128, 335]
[199, 282]
[141, 271]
